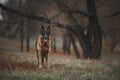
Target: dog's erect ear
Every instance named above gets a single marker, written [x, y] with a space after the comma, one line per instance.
[42, 29]
[48, 29]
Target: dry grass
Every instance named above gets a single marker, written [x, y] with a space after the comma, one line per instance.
[62, 68]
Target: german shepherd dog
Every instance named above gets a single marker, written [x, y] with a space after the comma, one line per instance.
[43, 47]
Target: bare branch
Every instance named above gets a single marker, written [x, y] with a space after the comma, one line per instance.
[56, 15]
[38, 18]
[30, 16]
[101, 4]
[65, 8]
[77, 12]
[113, 15]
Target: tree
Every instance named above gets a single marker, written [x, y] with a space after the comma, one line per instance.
[21, 25]
[94, 31]
[76, 29]
[10, 21]
[69, 35]
[91, 42]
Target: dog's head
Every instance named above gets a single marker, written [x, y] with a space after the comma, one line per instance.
[45, 33]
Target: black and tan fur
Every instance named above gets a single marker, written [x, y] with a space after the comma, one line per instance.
[43, 47]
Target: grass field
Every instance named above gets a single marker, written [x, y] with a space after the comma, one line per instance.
[22, 66]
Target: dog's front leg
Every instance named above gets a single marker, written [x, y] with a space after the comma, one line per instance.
[48, 54]
[38, 59]
[42, 60]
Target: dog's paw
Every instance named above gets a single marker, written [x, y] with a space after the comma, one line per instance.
[48, 66]
[40, 66]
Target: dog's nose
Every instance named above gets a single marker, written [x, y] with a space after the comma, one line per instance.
[45, 38]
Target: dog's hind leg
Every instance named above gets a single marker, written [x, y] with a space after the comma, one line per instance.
[42, 59]
[47, 61]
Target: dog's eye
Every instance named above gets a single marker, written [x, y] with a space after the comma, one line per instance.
[42, 33]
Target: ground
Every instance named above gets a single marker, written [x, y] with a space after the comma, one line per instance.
[17, 65]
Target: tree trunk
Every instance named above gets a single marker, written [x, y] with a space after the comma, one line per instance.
[113, 43]
[54, 44]
[21, 28]
[95, 36]
[71, 19]
[21, 35]
[82, 41]
[74, 45]
[28, 36]
[66, 42]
